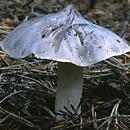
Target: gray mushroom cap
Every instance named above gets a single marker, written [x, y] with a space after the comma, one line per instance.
[66, 37]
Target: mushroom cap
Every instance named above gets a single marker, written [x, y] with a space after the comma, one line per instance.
[64, 36]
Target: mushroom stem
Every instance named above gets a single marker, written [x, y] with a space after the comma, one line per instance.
[69, 87]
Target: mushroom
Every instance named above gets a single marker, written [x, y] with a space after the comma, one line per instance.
[69, 39]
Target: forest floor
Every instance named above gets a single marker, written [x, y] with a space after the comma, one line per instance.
[28, 86]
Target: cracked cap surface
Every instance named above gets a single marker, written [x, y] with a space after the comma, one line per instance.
[64, 36]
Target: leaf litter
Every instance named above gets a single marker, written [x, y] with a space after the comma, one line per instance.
[28, 86]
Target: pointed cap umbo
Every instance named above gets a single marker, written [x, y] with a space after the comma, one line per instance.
[66, 37]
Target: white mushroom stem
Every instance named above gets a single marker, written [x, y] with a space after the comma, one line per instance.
[69, 87]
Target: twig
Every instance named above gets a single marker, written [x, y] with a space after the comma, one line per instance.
[12, 94]
[40, 83]
[61, 127]
[4, 119]
[125, 25]
[21, 119]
